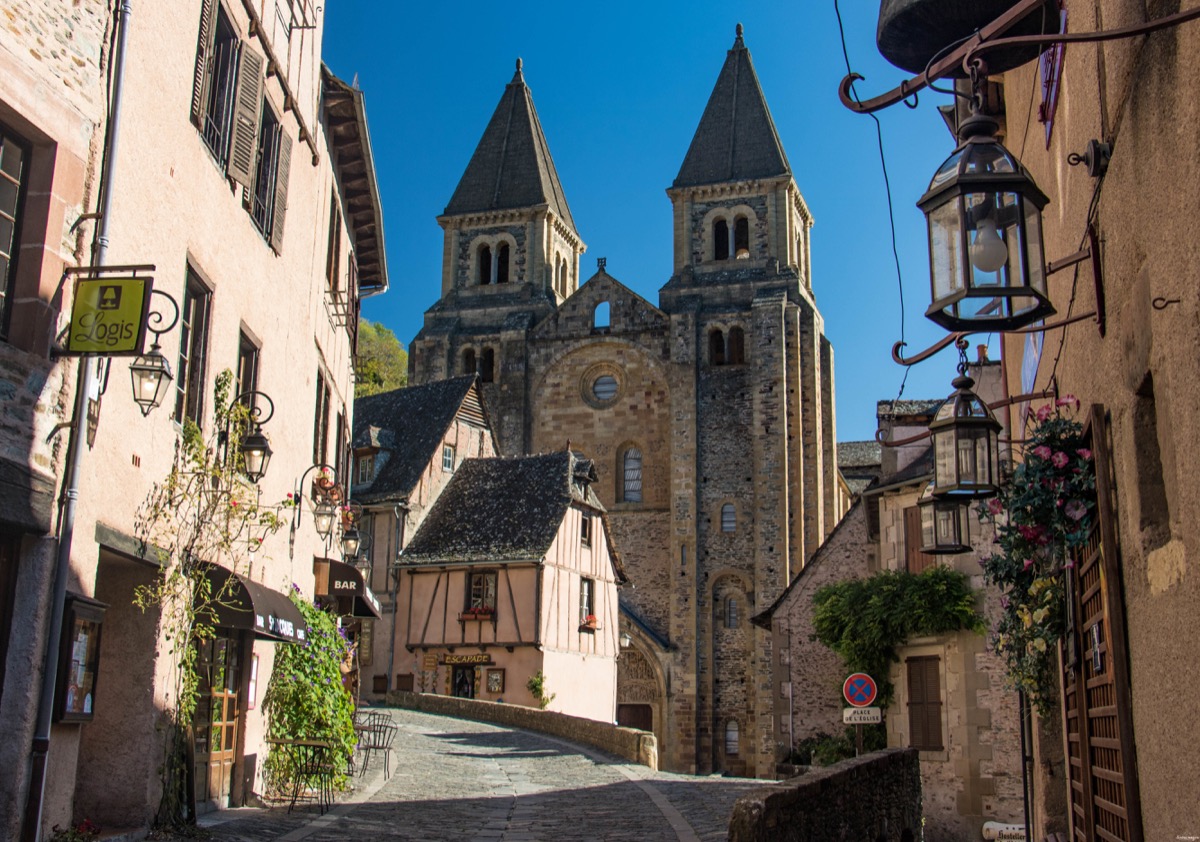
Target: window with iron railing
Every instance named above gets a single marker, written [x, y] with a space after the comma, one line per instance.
[193, 348]
[221, 85]
[262, 208]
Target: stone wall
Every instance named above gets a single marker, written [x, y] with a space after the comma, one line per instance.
[629, 743]
[873, 798]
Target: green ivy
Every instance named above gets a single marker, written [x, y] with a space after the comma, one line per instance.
[305, 699]
[865, 620]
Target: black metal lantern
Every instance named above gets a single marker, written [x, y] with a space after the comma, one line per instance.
[945, 524]
[256, 454]
[966, 445]
[151, 376]
[350, 542]
[986, 261]
[323, 519]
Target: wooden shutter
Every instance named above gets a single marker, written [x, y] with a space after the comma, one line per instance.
[281, 185]
[247, 113]
[1097, 700]
[204, 54]
[925, 703]
[914, 559]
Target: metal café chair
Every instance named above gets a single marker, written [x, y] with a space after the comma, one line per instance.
[375, 740]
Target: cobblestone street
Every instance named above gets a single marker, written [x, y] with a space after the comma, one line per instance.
[456, 779]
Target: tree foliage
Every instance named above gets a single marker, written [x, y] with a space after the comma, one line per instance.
[381, 363]
[865, 620]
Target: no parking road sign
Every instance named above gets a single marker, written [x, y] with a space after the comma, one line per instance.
[860, 690]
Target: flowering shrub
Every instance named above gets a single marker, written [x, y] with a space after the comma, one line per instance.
[1045, 511]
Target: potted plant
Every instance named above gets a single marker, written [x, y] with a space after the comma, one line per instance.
[589, 623]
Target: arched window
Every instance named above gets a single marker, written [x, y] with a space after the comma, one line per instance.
[468, 361]
[728, 518]
[600, 316]
[562, 277]
[735, 351]
[631, 474]
[716, 348]
[484, 262]
[731, 612]
[741, 237]
[731, 738]
[720, 240]
[487, 369]
[502, 264]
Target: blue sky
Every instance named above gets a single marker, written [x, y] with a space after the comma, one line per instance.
[619, 88]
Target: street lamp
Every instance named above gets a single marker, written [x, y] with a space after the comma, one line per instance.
[945, 524]
[350, 542]
[254, 446]
[256, 454]
[150, 372]
[966, 442]
[323, 515]
[626, 640]
[323, 500]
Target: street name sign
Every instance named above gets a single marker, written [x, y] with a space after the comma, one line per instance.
[109, 316]
[861, 716]
[859, 689]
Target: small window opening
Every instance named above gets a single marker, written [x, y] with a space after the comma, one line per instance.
[731, 738]
[731, 612]
[631, 470]
[502, 264]
[736, 352]
[487, 368]
[716, 348]
[604, 388]
[448, 458]
[741, 238]
[728, 518]
[468, 361]
[600, 316]
[485, 264]
[1155, 510]
[585, 530]
[587, 600]
[720, 240]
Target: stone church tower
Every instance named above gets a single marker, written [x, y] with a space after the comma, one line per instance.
[710, 417]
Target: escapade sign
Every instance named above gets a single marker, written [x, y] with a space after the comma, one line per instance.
[109, 316]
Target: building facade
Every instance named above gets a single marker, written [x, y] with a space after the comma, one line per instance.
[710, 416]
[244, 177]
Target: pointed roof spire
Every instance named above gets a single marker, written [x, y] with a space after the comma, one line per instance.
[736, 138]
[511, 167]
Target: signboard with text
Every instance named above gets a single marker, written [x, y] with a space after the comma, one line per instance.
[109, 316]
[862, 716]
[467, 659]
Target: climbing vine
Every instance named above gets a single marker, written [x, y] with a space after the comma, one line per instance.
[203, 512]
[866, 620]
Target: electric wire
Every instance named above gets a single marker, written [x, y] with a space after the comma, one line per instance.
[887, 188]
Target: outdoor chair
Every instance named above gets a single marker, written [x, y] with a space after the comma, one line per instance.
[374, 740]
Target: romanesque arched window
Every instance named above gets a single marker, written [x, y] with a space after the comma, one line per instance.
[735, 351]
[562, 277]
[716, 347]
[741, 237]
[483, 263]
[631, 476]
[468, 361]
[731, 738]
[487, 367]
[720, 240]
[731, 612]
[601, 315]
[502, 263]
[728, 518]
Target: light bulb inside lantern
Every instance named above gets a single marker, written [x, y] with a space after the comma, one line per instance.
[988, 252]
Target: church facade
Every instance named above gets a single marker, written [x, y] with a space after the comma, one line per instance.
[709, 416]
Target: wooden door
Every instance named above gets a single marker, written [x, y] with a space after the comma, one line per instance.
[217, 719]
[636, 716]
[1102, 787]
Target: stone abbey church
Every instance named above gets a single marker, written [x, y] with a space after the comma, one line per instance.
[710, 416]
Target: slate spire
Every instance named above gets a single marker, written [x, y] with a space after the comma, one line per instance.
[736, 138]
[511, 167]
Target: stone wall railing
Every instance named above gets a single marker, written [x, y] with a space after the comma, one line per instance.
[629, 743]
[873, 798]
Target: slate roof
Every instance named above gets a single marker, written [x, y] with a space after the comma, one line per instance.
[913, 407]
[505, 509]
[511, 167]
[736, 138]
[920, 467]
[859, 454]
[410, 423]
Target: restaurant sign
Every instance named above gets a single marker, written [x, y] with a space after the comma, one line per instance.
[482, 658]
[109, 316]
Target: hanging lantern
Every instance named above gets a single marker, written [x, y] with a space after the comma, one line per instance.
[256, 454]
[945, 524]
[151, 376]
[350, 542]
[984, 211]
[323, 519]
[966, 444]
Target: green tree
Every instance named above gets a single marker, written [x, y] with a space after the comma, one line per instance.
[381, 363]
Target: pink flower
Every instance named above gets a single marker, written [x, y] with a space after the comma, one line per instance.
[994, 506]
[1059, 459]
[289, 496]
[1044, 412]
[1028, 564]
[1034, 535]
[1075, 510]
[233, 503]
[1042, 451]
[1068, 400]
[1068, 564]
[1084, 453]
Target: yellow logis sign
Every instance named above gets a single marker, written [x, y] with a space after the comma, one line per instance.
[109, 316]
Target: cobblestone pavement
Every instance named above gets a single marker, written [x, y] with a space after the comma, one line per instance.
[456, 779]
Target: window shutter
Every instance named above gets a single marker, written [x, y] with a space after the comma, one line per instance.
[204, 51]
[924, 704]
[281, 189]
[914, 559]
[247, 113]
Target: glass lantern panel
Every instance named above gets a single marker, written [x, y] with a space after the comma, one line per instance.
[944, 458]
[1033, 247]
[968, 465]
[947, 525]
[990, 219]
[947, 170]
[988, 158]
[985, 461]
[928, 535]
[945, 249]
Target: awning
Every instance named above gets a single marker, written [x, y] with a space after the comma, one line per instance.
[248, 605]
[344, 584]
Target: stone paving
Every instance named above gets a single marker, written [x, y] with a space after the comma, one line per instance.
[456, 779]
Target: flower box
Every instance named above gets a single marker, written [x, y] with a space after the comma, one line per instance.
[477, 614]
[589, 623]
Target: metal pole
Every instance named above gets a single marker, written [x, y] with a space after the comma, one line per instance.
[31, 829]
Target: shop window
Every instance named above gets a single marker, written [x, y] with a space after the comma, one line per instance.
[720, 234]
[631, 472]
[193, 350]
[14, 168]
[731, 738]
[924, 703]
[481, 591]
[78, 660]
[728, 518]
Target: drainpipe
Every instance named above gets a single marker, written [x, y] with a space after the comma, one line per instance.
[401, 513]
[31, 829]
